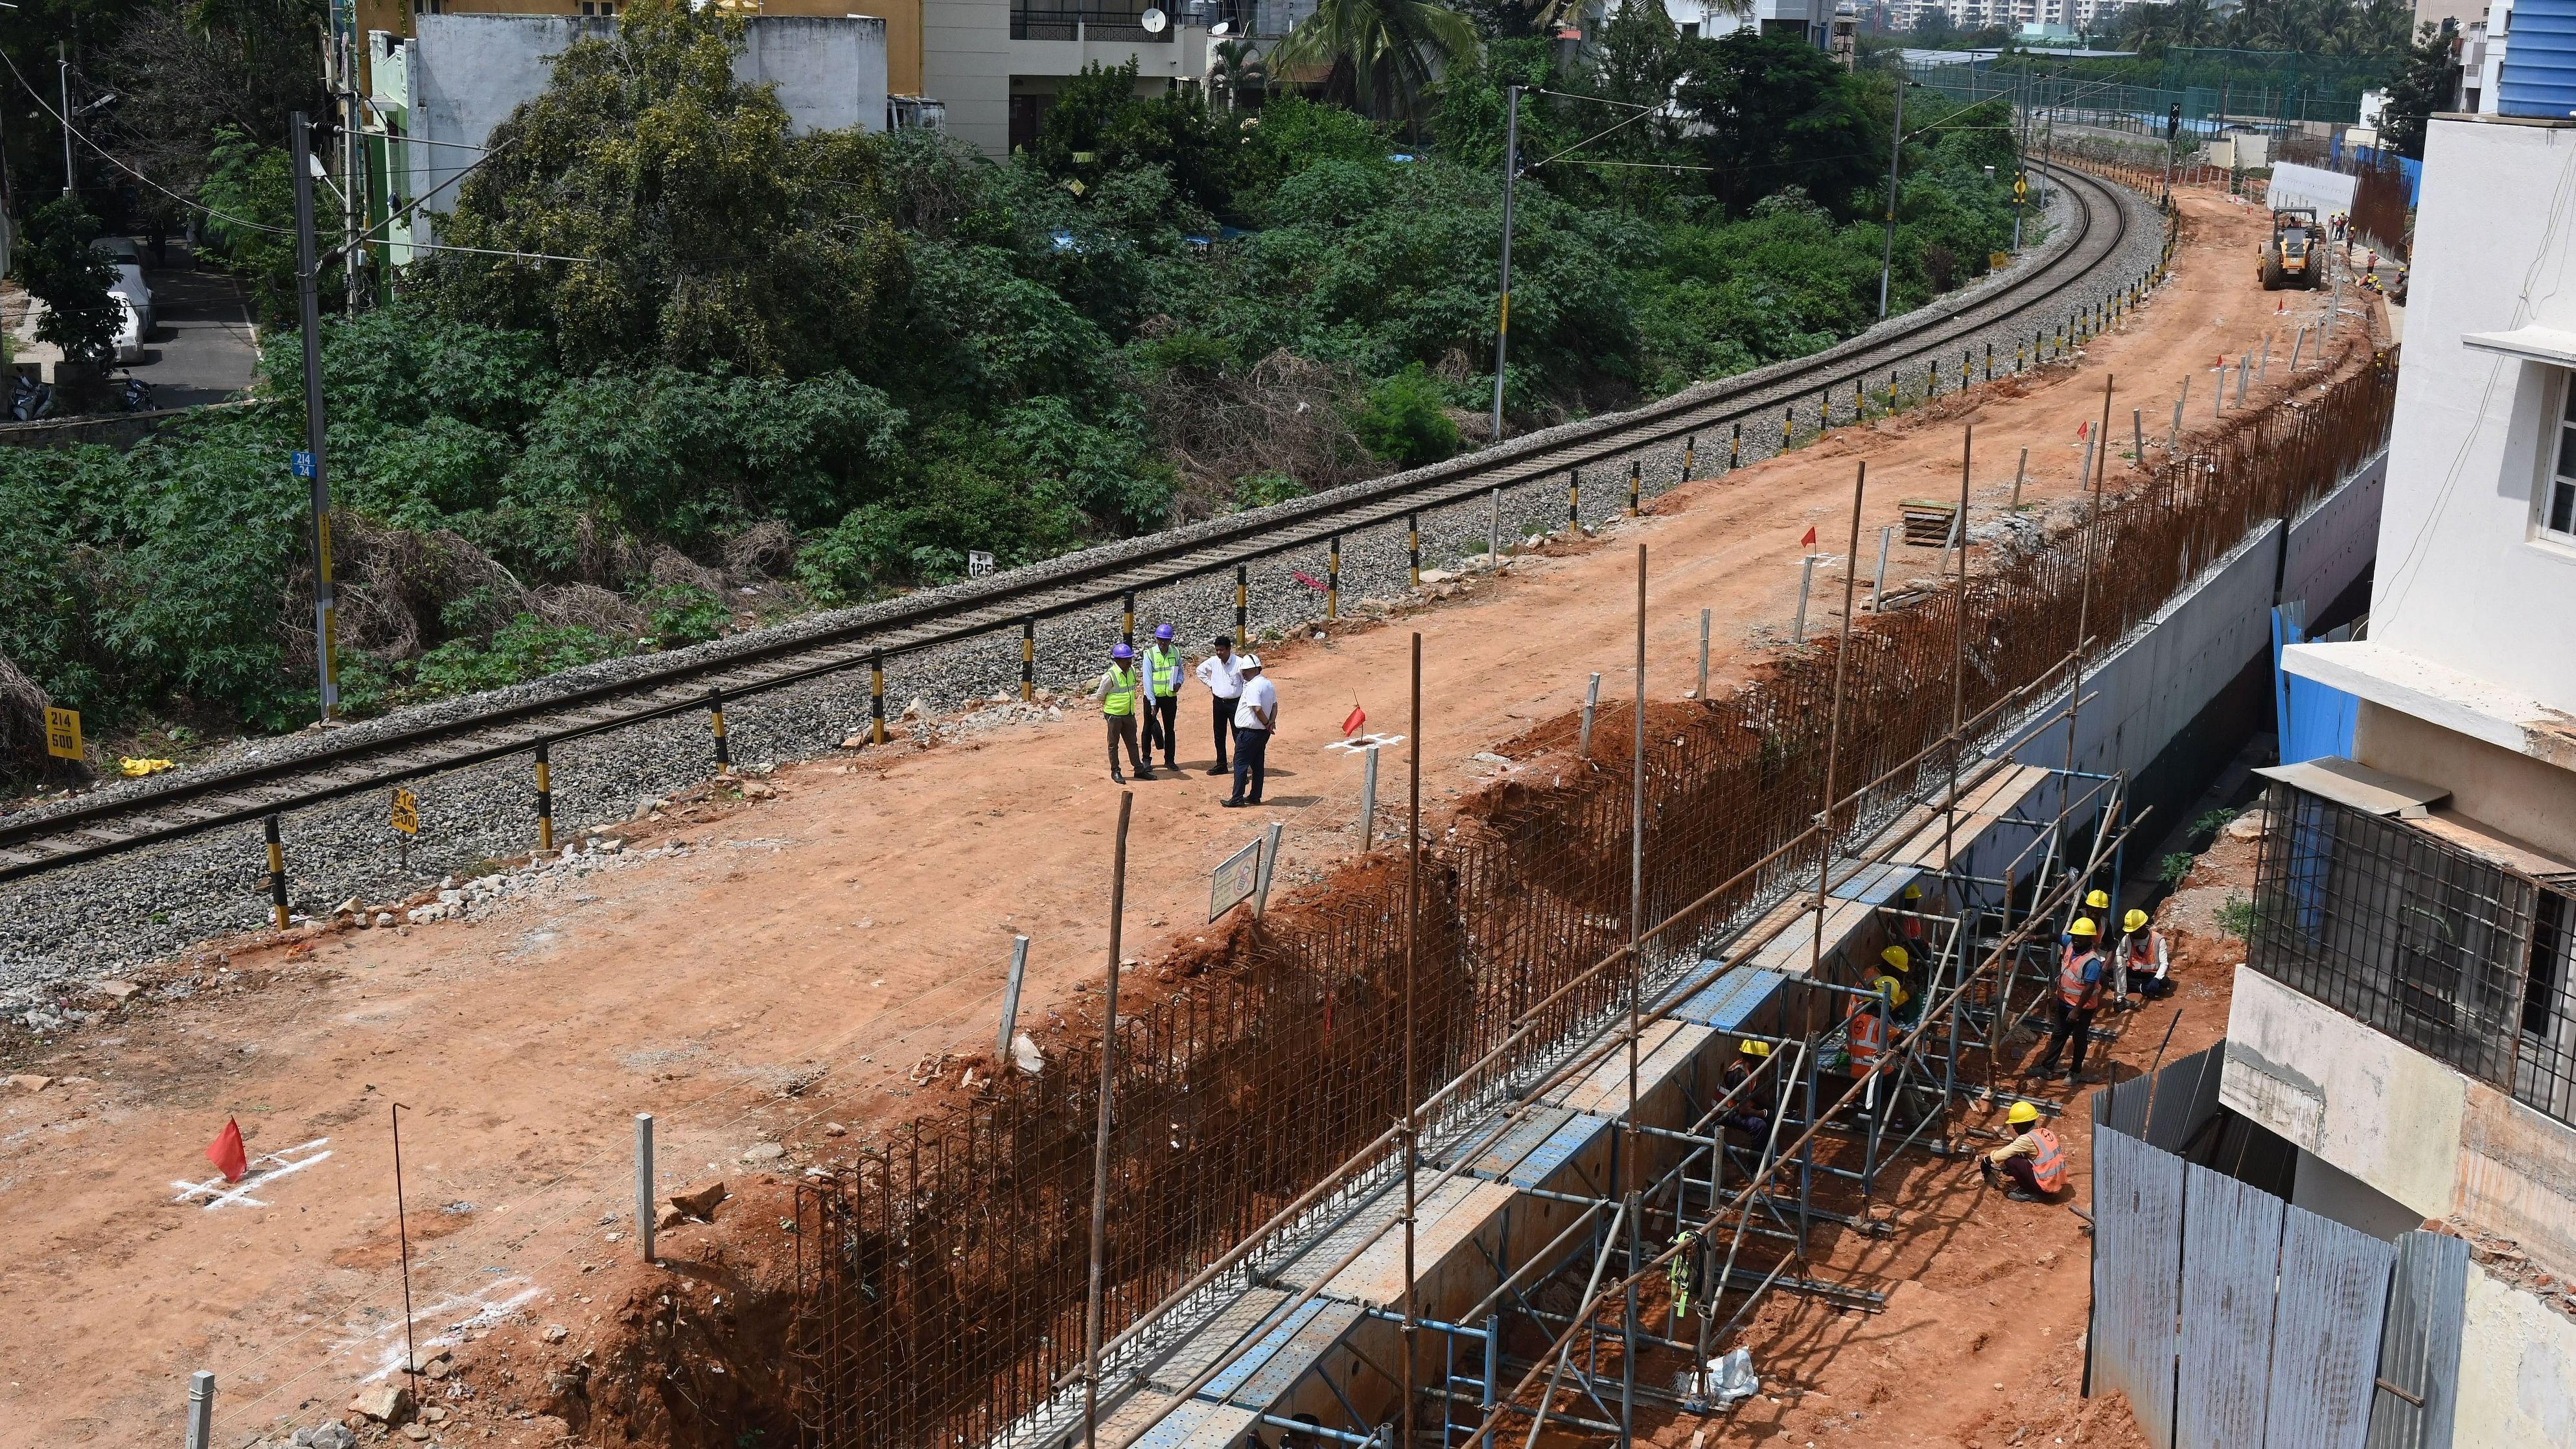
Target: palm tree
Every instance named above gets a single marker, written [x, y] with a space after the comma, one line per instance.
[1382, 51]
[1234, 64]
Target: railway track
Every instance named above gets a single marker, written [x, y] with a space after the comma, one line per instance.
[1818, 391]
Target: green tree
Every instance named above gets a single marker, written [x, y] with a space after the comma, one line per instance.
[706, 232]
[1771, 110]
[1099, 127]
[1380, 51]
[56, 264]
[250, 195]
[2426, 80]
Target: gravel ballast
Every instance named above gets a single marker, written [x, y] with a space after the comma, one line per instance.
[112, 915]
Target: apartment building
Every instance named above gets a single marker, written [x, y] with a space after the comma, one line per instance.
[2406, 1016]
[2050, 17]
[982, 70]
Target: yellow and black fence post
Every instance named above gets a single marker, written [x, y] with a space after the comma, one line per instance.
[1574, 502]
[876, 697]
[545, 800]
[1333, 578]
[1690, 456]
[1028, 659]
[276, 872]
[1242, 605]
[1860, 406]
[1636, 484]
[1990, 361]
[1788, 424]
[1735, 447]
[1127, 618]
[715, 717]
[1413, 547]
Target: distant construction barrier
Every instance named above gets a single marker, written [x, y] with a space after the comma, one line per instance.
[941, 1285]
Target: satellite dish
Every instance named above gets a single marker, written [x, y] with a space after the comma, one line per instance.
[1153, 21]
[1221, 28]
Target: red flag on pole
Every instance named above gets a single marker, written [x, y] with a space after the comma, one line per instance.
[1352, 722]
[1810, 539]
[2084, 430]
[226, 1153]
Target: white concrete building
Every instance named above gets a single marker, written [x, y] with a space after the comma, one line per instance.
[438, 95]
[2407, 1015]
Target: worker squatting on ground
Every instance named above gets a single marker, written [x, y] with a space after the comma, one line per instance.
[2142, 953]
[1116, 691]
[1222, 673]
[2033, 1160]
[1162, 695]
[2080, 970]
[1256, 717]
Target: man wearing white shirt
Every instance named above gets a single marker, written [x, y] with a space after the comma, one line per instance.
[1223, 676]
[1256, 716]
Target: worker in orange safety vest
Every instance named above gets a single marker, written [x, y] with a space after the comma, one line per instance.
[2033, 1162]
[2080, 974]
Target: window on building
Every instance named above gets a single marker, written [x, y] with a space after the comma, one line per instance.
[428, 7]
[2558, 489]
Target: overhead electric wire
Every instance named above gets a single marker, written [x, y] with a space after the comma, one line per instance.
[112, 159]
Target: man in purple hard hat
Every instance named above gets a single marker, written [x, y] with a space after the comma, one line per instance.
[1117, 692]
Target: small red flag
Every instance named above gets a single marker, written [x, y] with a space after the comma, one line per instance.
[1810, 539]
[1303, 577]
[1353, 721]
[226, 1153]
[2083, 430]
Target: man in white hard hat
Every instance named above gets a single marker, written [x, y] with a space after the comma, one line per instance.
[1256, 716]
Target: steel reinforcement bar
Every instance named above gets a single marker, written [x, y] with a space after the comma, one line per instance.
[1851, 382]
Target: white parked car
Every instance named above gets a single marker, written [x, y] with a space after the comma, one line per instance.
[130, 329]
[129, 284]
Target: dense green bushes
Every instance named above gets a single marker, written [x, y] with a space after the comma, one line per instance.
[819, 367]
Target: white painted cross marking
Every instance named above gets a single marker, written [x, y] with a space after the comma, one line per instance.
[265, 1168]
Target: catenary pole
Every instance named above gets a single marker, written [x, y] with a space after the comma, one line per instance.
[308, 303]
[1895, 150]
[1511, 176]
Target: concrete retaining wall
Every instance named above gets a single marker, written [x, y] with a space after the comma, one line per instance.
[2140, 698]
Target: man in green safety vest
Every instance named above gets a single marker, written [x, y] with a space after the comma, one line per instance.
[1116, 691]
[1162, 694]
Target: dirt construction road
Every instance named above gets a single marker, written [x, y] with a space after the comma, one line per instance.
[753, 971]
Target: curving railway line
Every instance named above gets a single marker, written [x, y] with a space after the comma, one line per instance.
[2058, 300]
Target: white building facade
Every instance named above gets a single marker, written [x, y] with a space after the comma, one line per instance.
[2407, 1014]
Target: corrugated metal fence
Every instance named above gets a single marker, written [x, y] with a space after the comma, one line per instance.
[2233, 1320]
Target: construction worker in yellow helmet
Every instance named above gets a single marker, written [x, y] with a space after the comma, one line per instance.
[2080, 973]
[2144, 954]
[2033, 1164]
[1913, 921]
[1889, 981]
[1749, 1100]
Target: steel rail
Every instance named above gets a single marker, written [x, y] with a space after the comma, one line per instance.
[191, 803]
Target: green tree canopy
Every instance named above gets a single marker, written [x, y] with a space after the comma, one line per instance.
[706, 231]
[56, 264]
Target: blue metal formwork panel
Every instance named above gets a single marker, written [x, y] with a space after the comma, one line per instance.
[1729, 1001]
[2137, 1276]
[1197, 1424]
[1279, 1370]
[1249, 1362]
[1505, 1153]
[2231, 1262]
[2325, 1337]
[1877, 884]
[1568, 1141]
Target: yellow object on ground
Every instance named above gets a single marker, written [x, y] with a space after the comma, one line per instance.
[133, 768]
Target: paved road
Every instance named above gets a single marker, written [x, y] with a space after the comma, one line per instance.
[201, 349]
